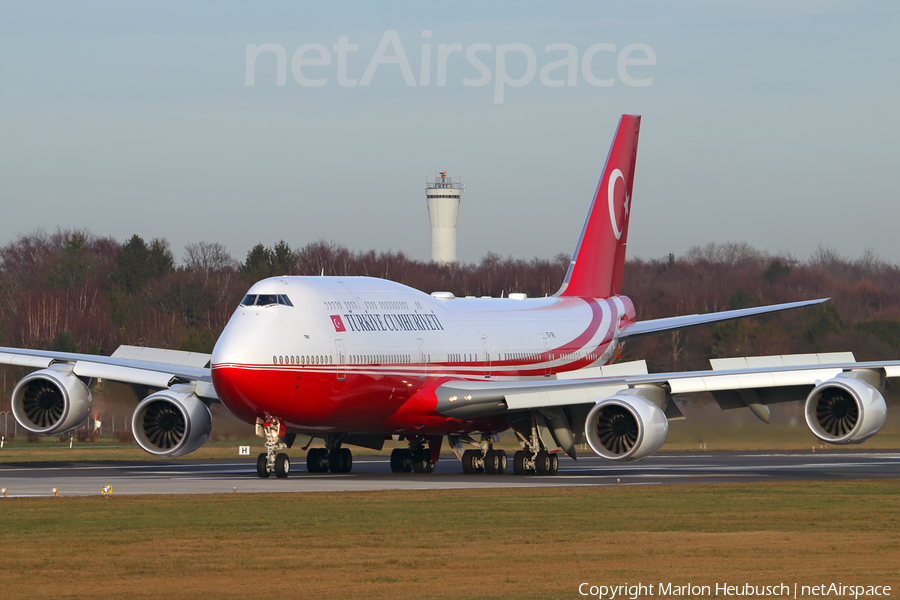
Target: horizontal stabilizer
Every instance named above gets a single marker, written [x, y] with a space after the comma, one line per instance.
[672, 323]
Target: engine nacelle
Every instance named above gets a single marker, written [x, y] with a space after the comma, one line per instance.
[844, 410]
[171, 423]
[626, 426]
[51, 401]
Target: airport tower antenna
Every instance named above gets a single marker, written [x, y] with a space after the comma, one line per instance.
[443, 208]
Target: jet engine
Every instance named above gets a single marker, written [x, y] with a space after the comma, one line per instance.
[845, 410]
[51, 401]
[171, 423]
[626, 426]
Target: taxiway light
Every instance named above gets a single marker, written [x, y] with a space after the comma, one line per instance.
[4, 492]
[106, 490]
[55, 492]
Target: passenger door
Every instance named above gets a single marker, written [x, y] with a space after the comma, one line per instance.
[341, 359]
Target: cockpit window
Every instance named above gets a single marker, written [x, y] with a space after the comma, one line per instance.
[266, 300]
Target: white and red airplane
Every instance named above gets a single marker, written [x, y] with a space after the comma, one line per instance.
[357, 360]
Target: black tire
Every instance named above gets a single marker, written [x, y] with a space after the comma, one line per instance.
[468, 462]
[543, 462]
[491, 462]
[502, 455]
[346, 460]
[314, 460]
[422, 461]
[398, 464]
[262, 467]
[282, 466]
[554, 467]
[519, 463]
[407, 460]
[335, 461]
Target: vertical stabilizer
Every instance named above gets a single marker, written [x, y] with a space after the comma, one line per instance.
[599, 259]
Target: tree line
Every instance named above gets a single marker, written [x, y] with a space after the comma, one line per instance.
[70, 290]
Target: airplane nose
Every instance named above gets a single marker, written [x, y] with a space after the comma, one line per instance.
[232, 352]
[234, 377]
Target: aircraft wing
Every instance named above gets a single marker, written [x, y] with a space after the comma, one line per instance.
[652, 326]
[149, 367]
[734, 383]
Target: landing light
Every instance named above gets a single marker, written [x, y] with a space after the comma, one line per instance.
[452, 398]
[468, 397]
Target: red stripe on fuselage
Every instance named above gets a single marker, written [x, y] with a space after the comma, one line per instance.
[319, 402]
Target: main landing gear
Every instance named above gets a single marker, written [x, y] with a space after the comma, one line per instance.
[534, 457]
[330, 458]
[276, 439]
[526, 462]
[418, 457]
[484, 458]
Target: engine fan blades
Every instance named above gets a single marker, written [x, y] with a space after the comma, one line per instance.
[43, 403]
[837, 412]
[617, 429]
[163, 425]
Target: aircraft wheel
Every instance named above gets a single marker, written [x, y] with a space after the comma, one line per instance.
[282, 466]
[519, 463]
[346, 460]
[543, 463]
[398, 460]
[314, 463]
[422, 461]
[491, 462]
[554, 468]
[262, 466]
[407, 460]
[468, 462]
[502, 469]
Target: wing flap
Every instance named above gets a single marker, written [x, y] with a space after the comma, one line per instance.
[197, 360]
[154, 379]
[25, 360]
[745, 381]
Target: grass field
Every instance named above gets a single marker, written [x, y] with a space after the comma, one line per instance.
[538, 543]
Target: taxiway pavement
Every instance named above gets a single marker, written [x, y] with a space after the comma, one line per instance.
[188, 476]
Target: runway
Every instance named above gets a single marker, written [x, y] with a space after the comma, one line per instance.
[373, 473]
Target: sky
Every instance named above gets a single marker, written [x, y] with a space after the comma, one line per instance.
[771, 123]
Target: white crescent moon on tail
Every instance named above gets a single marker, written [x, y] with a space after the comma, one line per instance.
[611, 194]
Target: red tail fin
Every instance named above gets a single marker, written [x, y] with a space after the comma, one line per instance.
[599, 259]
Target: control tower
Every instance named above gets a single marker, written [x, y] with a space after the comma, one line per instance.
[443, 208]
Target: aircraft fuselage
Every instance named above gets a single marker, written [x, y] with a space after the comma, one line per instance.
[343, 354]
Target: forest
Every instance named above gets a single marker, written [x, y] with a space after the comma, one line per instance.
[72, 291]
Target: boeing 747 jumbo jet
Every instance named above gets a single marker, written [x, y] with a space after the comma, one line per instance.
[357, 361]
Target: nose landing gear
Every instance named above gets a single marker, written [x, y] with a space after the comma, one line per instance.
[276, 439]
